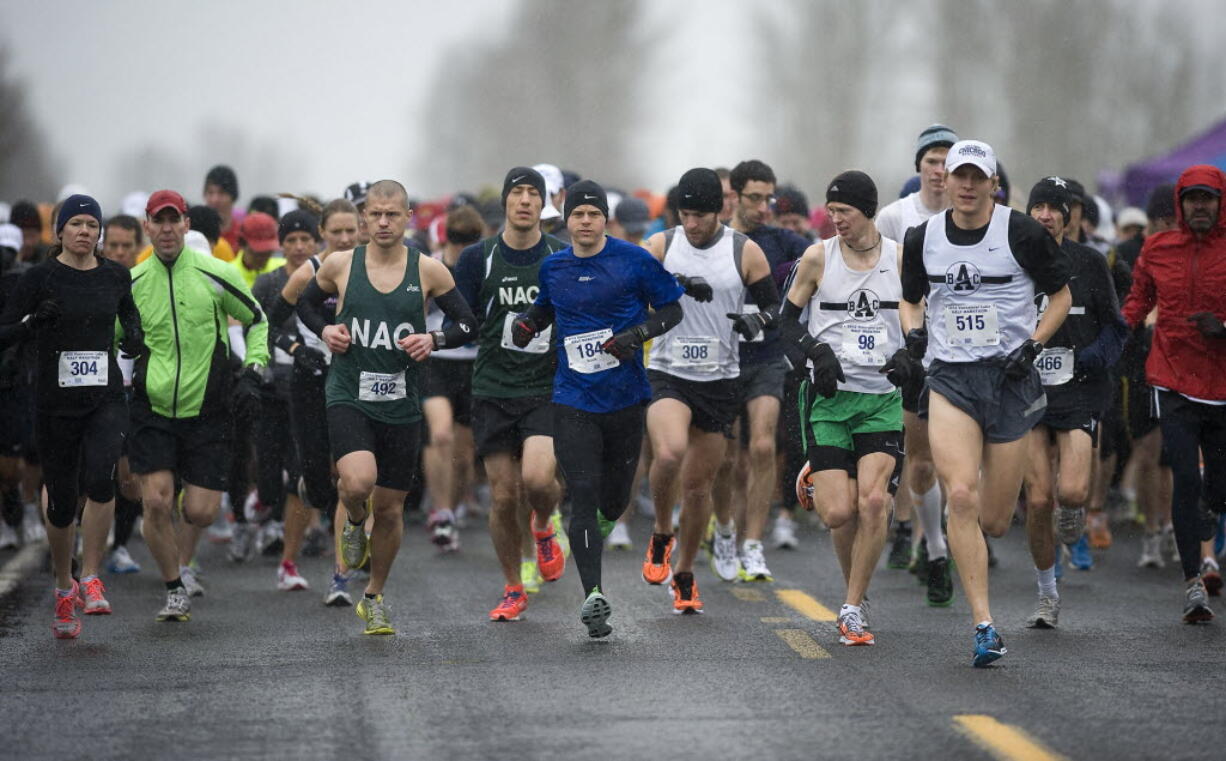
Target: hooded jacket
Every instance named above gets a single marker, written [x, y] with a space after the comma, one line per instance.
[1182, 275]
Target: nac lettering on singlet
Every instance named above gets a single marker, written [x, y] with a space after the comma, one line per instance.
[359, 333]
[509, 296]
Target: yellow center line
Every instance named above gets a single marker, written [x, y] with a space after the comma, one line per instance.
[802, 643]
[1003, 741]
[805, 605]
[748, 595]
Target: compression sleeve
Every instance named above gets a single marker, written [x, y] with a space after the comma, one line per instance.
[469, 271]
[914, 276]
[1048, 265]
[311, 308]
[790, 327]
[765, 294]
[463, 325]
[663, 319]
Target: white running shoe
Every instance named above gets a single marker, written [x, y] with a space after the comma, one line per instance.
[222, 529]
[1168, 547]
[753, 562]
[8, 537]
[32, 526]
[783, 535]
[1151, 553]
[288, 578]
[121, 562]
[242, 544]
[619, 538]
[271, 538]
[190, 582]
[724, 561]
[178, 606]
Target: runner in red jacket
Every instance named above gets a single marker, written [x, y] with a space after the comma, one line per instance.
[1182, 272]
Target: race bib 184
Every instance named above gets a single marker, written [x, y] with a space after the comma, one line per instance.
[584, 353]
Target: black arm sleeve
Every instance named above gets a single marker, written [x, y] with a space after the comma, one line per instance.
[1038, 253]
[914, 276]
[663, 319]
[765, 294]
[280, 311]
[21, 302]
[311, 308]
[129, 318]
[463, 327]
[792, 330]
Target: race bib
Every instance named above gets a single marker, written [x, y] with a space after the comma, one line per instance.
[83, 368]
[752, 309]
[538, 345]
[972, 325]
[1055, 366]
[584, 353]
[695, 352]
[863, 344]
[381, 387]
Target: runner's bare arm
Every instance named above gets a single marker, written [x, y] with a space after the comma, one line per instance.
[1058, 305]
[310, 303]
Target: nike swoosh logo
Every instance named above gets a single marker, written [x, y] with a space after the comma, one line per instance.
[586, 197]
[991, 249]
[515, 180]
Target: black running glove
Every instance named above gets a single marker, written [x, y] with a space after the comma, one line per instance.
[46, 314]
[1021, 360]
[624, 344]
[523, 330]
[696, 287]
[906, 365]
[309, 360]
[133, 346]
[827, 372]
[247, 391]
[750, 324]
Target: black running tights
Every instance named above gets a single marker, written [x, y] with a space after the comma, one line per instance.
[1190, 431]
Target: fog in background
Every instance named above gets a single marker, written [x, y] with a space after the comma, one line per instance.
[301, 96]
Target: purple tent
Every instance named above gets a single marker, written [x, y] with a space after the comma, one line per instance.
[1207, 148]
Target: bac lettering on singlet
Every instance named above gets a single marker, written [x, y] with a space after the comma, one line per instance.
[359, 332]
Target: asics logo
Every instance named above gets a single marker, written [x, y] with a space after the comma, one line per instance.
[510, 279]
[413, 289]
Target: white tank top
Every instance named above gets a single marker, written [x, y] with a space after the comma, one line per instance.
[434, 321]
[980, 300]
[702, 347]
[856, 313]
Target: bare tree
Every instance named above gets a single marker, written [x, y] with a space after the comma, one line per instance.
[26, 169]
[556, 87]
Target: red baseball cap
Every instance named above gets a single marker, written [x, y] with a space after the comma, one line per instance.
[165, 199]
[260, 232]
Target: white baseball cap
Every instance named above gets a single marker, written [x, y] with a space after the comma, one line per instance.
[196, 241]
[553, 185]
[1131, 215]
[974, 152]
[10, 236]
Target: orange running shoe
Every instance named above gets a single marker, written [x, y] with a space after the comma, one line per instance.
[657, 568]
[852, 631]
[1100, 530]
[549, 557]
[685, 594]
[514, 602]
[95, 598]
[67, 624]
[804, 489]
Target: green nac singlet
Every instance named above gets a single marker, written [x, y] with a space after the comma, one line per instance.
[504, 370]
[376, 376]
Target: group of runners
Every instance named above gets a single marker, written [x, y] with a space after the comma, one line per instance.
[716, 358]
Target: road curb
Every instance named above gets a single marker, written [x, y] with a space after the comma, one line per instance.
[25, 562]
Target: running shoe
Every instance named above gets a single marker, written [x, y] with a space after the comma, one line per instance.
[32, 529]
[315, 543]
[549, 558]
[555, 520]
[178, 606]
[900, 549]
[530, 576]
[940, 583]
[514, 603]
[1167, 545]
[192, 584]
[443, 531]
[373, 611]
[121, 562]
[338, 590]
[8, 537]
[1212, 576]
[1070, 524]
[1079, 554]
[242, 543]
[1100, 530]
[271, 539]
[656, 566]
[595, 614]
[753, 562]
[288, 578]
[724, 561]
[221, 531]
[851, 629]
[1046, 615]
[93, 591]
[355, 545]
[685, 594]
[864, 607]
[256, 511]
[783, 535]
[1151, 552]
[1196, 608]
[67, 624]
[989, 647]
[619, 538]
[804, 489]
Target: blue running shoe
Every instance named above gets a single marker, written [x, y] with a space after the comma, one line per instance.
[989, 647]
[1079, 554]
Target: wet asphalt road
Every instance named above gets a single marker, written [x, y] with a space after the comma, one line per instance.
[259, 673]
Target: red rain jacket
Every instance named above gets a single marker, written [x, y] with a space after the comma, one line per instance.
[1182, 275]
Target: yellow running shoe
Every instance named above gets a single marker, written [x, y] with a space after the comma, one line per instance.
[530, 576]
[374, 613]
[555, 520]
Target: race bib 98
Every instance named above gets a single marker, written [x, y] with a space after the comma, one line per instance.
[864, 344]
